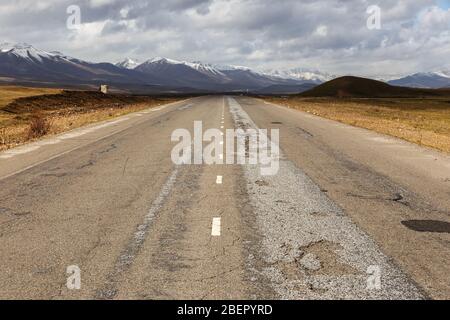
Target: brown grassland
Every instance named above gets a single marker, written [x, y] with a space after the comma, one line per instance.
[424, 121]
[27, 114]
[8, 94]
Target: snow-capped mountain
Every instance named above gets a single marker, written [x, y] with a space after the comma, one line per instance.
[24, 63]
[26, 52]
[207, 69]
[29, 53]
[434, 80]
[211, 77]
[183, 74]
[128, 63]
[301, 75]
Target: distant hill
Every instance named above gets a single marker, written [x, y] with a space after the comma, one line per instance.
[355, 87]
[433, 80]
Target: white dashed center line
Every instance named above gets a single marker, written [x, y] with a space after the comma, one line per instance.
[219, 180]
[215, 232]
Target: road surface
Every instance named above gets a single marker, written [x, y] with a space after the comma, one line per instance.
[351, 214]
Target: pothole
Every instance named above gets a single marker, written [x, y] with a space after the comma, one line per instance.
[325, 252]
[319, 214]
[21, 214]
[310, 262]
[427, 226]
[316, 259]
[261, 183]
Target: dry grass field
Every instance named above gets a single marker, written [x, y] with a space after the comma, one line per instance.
[424, 121]
[27, 114]
[9, 93]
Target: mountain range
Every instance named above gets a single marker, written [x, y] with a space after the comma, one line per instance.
[24, 64]
[223, 77]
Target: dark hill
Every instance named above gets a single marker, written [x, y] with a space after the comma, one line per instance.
[355, 87]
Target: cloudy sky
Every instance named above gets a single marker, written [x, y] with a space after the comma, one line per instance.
[328, 35]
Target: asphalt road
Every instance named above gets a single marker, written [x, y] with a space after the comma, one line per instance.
[350, 213]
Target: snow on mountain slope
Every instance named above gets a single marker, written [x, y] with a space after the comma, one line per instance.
[301, 74]
[231, 68]
[184, 74]
[128, 63]
[27, 52]
[204, 68]
[443, 73]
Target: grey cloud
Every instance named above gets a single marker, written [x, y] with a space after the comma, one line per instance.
[258, 33]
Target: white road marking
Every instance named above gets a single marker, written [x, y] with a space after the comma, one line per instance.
[219, 180]
[221, 127]
[221, 156]
[132, 248]
[216, 226]
[142, 229]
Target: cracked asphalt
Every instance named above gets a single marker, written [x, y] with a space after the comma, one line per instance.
[347, 209]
